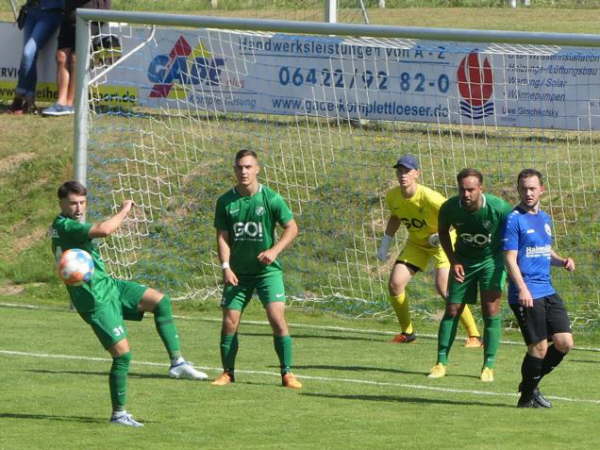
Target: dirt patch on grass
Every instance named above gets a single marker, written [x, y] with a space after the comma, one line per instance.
[11, 289]
[12, 162]
[25, 242]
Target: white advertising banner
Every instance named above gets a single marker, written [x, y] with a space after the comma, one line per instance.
[383, 79]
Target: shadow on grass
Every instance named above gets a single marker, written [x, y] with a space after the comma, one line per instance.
[53, 417]
[400, 399]
[79, 372]
[311, 336]
[376, 369]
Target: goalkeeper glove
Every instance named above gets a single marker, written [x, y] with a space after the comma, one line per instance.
[384, 248]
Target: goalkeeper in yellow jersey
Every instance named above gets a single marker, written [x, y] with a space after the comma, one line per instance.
[416, 207]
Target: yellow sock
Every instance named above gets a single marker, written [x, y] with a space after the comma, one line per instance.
[400, 305]
[467, 321]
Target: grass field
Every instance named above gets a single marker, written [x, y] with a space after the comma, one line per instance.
[359, 391]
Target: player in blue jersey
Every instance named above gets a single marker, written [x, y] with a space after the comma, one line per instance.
[539, 310]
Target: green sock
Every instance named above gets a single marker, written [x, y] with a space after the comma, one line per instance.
[165, 325]
[229, 348]
[491, 339]
[117, 381]
[446, 335]
[283, 347]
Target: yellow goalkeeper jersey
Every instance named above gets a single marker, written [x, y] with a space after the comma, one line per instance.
[419, 213]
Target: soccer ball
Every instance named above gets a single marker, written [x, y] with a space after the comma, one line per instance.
[434, 240]
[75, 267]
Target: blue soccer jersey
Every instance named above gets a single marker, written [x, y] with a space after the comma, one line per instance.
[531, 236]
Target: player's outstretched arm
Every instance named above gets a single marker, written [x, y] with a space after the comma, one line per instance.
[514, 272]
[568, 263]
[290, 231]
[390, 230]
[109, 226]
[224, 251]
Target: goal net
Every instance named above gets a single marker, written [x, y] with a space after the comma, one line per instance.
[328, 114]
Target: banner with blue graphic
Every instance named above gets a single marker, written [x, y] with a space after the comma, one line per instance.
[352, 78]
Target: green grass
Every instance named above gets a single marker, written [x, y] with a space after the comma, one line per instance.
[359, 391]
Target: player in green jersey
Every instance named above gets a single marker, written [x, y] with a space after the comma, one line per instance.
[245, 220]
[105, 302]
[476, 262]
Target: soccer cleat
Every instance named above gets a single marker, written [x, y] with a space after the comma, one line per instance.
[289, 380]
[437, 371]
[473, 342]
[487, 375]
[538, 397]
[404, 338]
[123, 418]
[186, 370]
[224, 379]
[58, 110]
[527, 401]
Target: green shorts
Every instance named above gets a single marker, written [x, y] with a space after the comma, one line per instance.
[121, 303]
[489, 274]
[269, 287]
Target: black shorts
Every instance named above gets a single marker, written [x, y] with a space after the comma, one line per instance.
[66, 34]
[548, 316]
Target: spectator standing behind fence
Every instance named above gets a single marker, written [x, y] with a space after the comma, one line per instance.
[65, 56]
[41, 21]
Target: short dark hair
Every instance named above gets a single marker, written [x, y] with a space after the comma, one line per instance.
[245, 152]
[526, 173]
[71, 187]
[469, 173]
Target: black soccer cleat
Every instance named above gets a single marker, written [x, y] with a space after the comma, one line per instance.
[539, 398]
[528, 401]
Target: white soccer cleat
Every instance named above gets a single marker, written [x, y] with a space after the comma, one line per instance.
[186, 370]
[125, 419]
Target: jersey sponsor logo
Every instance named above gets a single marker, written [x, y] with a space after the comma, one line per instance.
[538, 251]
[252, 230]
[234, 211]
[475, 81]
[531, 230]
[547, 229]
[478, 240]
[413, 223]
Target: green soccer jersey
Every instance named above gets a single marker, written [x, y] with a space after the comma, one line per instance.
[250, 222]
[479, 232]
[67, 233]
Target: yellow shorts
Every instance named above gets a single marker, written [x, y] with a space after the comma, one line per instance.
[419, 256]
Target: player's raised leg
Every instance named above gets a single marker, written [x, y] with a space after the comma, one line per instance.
[401, 274]
[160, 305]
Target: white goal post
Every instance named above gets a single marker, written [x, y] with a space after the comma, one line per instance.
[329, 107]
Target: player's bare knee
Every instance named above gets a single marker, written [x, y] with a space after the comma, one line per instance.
[395, 288]
[539, 349]
[564, 343]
